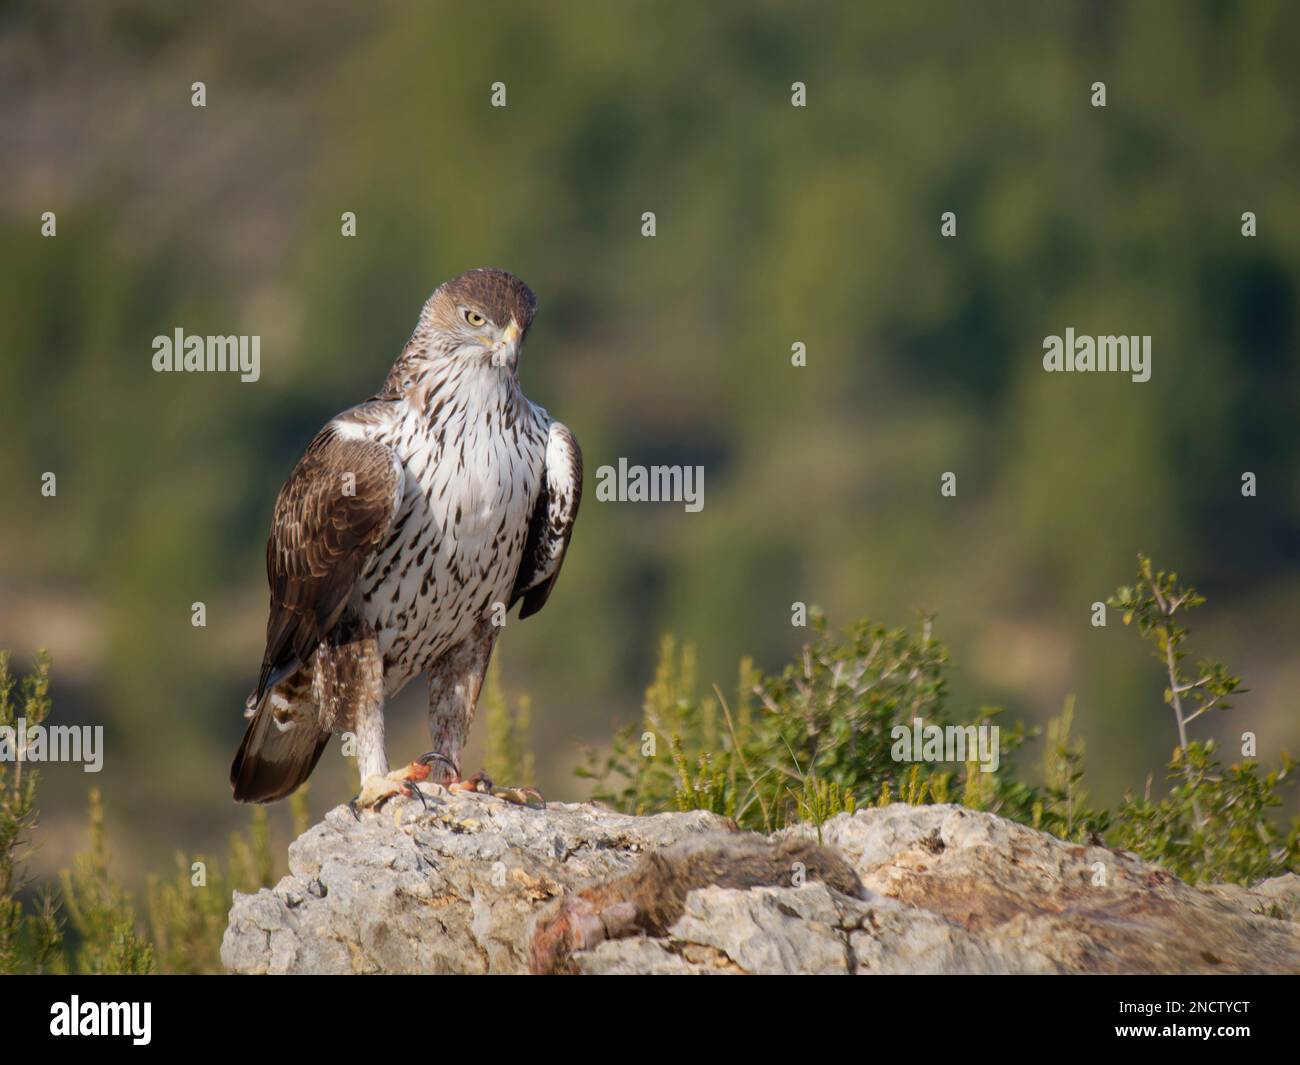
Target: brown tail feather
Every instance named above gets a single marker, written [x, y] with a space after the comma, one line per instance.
[271, 764]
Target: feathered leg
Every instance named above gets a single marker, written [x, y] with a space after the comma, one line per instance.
[454, 686]
[350, 691]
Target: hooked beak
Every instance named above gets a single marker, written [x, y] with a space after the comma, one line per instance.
[506, 352]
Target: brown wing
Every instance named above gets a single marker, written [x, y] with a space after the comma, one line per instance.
[552, 522]
[332, 514]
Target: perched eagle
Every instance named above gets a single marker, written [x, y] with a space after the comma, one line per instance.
[412, 523]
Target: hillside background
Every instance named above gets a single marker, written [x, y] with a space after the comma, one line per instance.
[775, 225]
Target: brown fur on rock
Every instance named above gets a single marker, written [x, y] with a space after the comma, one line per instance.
[651, 896]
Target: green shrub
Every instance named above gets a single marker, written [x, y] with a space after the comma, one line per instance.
[815, 740]
[89, 923]
[29, 941]
[100, 911]
[811, 742]
[1215, 823]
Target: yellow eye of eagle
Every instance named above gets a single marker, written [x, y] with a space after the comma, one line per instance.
[474, 318]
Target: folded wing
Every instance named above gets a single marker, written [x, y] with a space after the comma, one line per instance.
[552, 522]
[332, 515]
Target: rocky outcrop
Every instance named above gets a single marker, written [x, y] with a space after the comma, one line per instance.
[474, 884]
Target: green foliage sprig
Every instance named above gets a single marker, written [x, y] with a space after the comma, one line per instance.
[1215, 823]
[29, 941]
[509, 758]
[101, 911]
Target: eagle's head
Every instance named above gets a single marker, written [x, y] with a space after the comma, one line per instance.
[481, 315]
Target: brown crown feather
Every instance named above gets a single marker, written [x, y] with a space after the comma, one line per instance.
[500, 294]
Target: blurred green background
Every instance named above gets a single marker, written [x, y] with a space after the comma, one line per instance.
[775, 225]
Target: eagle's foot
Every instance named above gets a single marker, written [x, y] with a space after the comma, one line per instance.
[480, 783]
[377, 790]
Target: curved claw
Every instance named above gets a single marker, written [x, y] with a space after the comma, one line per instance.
[377, 790]
[437, 756]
